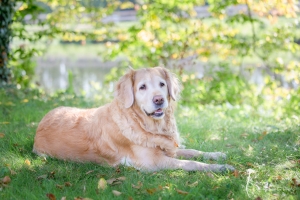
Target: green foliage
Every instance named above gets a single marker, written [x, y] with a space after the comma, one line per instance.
[222, 87]
[232, 46]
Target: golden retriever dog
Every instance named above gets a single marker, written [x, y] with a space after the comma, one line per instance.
[137, 128]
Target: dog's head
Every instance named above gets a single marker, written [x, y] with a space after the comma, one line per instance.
[150, 89]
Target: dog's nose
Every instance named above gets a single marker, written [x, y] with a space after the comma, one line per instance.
[158, 100]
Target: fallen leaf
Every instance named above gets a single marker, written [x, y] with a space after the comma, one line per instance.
[277, 178]
[2, 135]
[229, 145]
[116, 193]
[250, 148]
[118, 170]
[151, 191]
[44, 176]
[12, 172]
[263, 135]
[296, 183]
[6, 180]
[181, 192]
[258, 198]
[82, 198]
[216, 187]
[249, 164]
[51, 196]
[236, 173]
[110, 181]
[193, 184]
[63, 198]
[51, 175]
[138, 186]
[122, 178]
[27, 162]
[59, 186]
[229, 195]
[210, 175]
[244, 135]
[102, 184]
[116, 181]
[68, 184]
[90, 171]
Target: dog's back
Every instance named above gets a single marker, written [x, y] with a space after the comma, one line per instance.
[64, 133]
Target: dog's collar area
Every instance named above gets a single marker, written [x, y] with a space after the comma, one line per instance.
[156, 114]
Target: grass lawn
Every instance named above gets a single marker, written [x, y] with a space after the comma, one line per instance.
[264, 151]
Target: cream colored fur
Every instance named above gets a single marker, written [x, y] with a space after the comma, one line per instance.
[131, 130]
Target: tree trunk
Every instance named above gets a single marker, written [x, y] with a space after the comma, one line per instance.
[6, 14]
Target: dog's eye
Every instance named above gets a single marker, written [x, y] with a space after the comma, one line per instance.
[161, 84]
[143, 87]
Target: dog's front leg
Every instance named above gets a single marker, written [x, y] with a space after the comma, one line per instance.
[150, 159]
[189, 165]
[191, 153]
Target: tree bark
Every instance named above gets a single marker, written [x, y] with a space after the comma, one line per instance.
[6, 14]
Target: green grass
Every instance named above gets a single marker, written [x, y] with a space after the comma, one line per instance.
[270, 147]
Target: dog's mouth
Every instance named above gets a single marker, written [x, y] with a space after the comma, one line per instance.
[156, 114]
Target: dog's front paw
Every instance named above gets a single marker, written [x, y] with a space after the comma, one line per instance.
[170, 153]
[168, 144]
[214, 156]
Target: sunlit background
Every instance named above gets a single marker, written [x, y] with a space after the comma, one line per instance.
[237, 53]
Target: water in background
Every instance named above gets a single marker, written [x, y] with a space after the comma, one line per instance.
[85, 79]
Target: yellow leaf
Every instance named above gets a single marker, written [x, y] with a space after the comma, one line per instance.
[2, 135]
[193, 184]
[27, 162]
[4, 122]
[102, 184]
[116, 193]
[25, 101]
[151, 191]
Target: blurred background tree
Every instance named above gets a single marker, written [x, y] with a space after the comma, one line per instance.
[6, 14]
[227, 52]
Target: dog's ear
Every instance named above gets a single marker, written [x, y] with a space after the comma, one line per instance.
[174, 86]
[124, 89]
